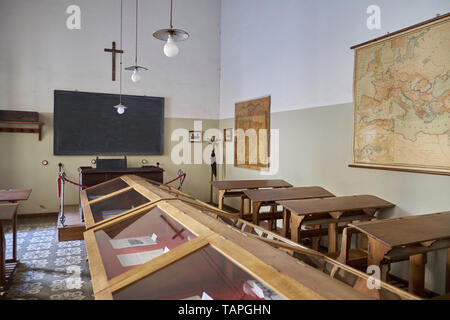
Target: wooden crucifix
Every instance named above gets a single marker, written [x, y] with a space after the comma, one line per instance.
[114, 51]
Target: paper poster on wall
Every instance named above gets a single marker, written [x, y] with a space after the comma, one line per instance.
[402, 99]
[252, 135]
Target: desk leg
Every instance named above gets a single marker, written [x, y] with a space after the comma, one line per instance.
[255, 213]
[273, 220]
[2, 255]
[249, 206]
[377, 251]
[14, 227]
[447, 278]
[417, 274]
[286, 222]
[332, 237]
[296, 226]
[220, 199]
[241, 209]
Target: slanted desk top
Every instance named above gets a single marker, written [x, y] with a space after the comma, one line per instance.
[15, 194]
[336, 204]
[249, 184]
[7, 211]
[287, 194]
[407, 230]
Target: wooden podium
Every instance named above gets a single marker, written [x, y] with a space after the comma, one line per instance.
[90, 176]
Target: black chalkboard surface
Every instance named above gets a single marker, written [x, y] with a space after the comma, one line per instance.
[88, 124]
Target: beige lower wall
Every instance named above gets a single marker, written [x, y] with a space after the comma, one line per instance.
[21, 155]
[316, 149]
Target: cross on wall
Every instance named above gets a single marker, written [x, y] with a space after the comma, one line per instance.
[114, 51]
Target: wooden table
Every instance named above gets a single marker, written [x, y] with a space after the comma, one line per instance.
[15, 195]
[329, 211]
[12, 196]
[261, 198]
[235, 188]
[8, 212]
[411, 237]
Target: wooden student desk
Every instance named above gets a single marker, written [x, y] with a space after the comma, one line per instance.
[13, 196]
[329, 211]
[261, 198]
[234, 188]
[412, 237]
[7, 212]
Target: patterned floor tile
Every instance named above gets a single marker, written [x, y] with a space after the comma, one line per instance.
[48, 269]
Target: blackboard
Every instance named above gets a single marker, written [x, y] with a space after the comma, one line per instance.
[88, 124]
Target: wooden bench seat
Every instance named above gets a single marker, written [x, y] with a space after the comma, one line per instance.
[401, 254]
[355, 257]
[362, 217]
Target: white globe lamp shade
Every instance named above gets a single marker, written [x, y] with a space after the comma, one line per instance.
[171, 49]
[120, 108]
[135, 77]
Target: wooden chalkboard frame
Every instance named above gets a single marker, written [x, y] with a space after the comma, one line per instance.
[118, 148]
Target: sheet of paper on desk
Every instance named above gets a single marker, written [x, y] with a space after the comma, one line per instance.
[256, 289]
[205, 296]
[135, 259]
[134, 242]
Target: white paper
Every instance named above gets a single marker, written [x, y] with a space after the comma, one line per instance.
[134, 242]
[256, 289]
[134, 259]
[205, 296]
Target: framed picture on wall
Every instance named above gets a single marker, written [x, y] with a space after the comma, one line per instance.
[195, 136]
[228, 134]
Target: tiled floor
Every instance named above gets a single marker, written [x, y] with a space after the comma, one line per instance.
[48, 269]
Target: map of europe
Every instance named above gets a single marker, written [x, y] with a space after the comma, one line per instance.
[402, 99]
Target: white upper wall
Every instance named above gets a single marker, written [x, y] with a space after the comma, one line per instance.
[298, 51]
[39, 54]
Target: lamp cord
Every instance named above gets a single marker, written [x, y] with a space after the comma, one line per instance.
[121, 36]
[137, 7]
[171, 14]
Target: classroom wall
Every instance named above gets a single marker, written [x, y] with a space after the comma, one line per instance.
[299, 53]
[39, 54]
[22, 154]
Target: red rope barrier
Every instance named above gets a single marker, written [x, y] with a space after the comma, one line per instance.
[58, 182]
[182, 176]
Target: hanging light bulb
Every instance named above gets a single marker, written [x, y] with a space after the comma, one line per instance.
[120, 108]
[171, 36]
[171, 49]
[135, 77]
